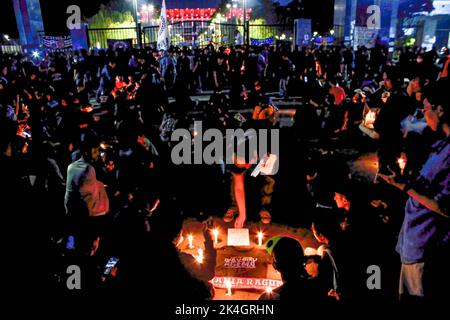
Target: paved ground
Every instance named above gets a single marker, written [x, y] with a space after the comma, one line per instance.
[362, 165]
[195, 228]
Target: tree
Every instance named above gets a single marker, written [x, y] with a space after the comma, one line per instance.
[264, 9]
[319, 11]
[260, 30]
[115, 14]
[260, 9]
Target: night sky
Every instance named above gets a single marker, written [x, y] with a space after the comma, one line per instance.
[54, 11]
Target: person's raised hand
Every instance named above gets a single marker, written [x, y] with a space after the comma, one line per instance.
[207, 227]
[390, 179]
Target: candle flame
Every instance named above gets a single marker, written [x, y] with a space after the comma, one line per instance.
[401, 163]
[369, 119]
[260, 238]
[228, 285]
[190, 239]
[200, 256]
[215, 233]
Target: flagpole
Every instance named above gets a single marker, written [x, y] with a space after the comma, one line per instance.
[245, 23]
[138, 25]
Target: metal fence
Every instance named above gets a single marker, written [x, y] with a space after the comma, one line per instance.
[99, 37]
[150, 35]
[194, 33]
[10, 48]
[274, 31]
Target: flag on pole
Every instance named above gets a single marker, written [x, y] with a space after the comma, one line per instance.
[163, 33]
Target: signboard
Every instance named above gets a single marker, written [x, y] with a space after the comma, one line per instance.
[302, 32]
[365, 37]
[125, 43]
[260, 42]
[238, 237]
[246, 283]
[324, 40]
[79, 38]
[58, 43]
[240, 262]
[246, 262]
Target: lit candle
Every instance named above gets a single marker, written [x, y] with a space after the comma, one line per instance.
[180, 240]
[191, 239]
[401, 163]
[268, 291]
[215, 232]
[228, 284]
[260, 238]
[370, 118]
[200, 256]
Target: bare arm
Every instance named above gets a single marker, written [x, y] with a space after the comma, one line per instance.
[215, 78]
[430, 204]
[239, 193]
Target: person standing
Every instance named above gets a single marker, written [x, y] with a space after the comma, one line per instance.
[424, 239]
[238, 39]
[284, 71]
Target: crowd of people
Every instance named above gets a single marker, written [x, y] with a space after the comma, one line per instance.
[86, 168]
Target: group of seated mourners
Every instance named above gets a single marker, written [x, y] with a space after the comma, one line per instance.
[87, 177]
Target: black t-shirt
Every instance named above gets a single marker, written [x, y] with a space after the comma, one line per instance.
[387, 124]
[355, 112]
[220, 73]
[301, 289]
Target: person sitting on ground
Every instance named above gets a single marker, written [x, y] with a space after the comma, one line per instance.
[203, 269]
[289, 261]
[176, 275]
[326, 232]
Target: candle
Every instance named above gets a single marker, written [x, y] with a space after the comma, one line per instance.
[191, 239]
[200, 256]
[260, 238]
[228, 284]
[269, 291]
[370, 118]
[180, 240]
[401, 163]
[215, 233]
